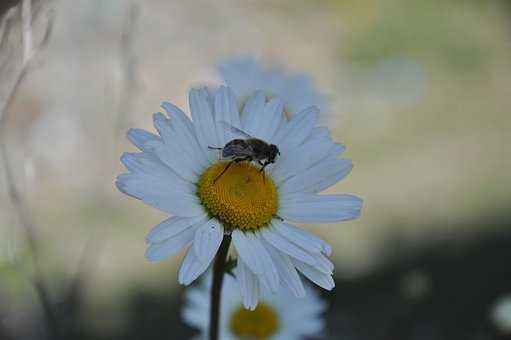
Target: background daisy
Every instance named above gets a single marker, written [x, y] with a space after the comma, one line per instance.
[278, 316]
[246, 76]
[178, 173]
[500, 314]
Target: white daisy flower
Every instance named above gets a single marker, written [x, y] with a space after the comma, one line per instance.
[246, 76]
[178, 173]
[501, 314]
[277, 316]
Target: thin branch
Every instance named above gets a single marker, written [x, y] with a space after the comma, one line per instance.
[129, 83]
[26, 30]
[14, 193]
[28, 54]
[5, 25]
[129, 65]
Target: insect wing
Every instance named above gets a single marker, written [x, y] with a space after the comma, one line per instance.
[233, 150]
[235, 131]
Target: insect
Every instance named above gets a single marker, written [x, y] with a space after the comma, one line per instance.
[248, 149]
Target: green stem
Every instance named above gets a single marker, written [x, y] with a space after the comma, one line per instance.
[216, 289]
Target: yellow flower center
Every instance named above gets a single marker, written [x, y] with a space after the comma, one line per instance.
[242, 197]
[260, 323]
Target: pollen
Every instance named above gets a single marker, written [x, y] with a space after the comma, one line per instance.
[242, 197]
[261, 323]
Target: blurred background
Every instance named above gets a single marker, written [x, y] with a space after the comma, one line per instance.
[419, 93]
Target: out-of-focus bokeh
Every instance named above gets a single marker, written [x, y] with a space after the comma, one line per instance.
[419, 91]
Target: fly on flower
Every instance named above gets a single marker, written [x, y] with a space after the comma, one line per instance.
[249, 149]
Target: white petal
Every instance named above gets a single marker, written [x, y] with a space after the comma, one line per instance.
[249, 285]
[307, 323]
[321, 279]
[148, 165]
[309, 310]
[313, 326]
[199, 296]
[174, 111]
[171, 246]
[203, 120]
[242, 75]
[287, 271]
[268, 120]
[301, 94]
[283, 244]
[302, 238]
[173, 226]
[299, 128]
[341, 171]
[311, 208]
[246, 75]
[294, 244]
[273, 118]
[171, 151]
[140, 137]
[160, 194]
[320, 132]
[303, 157]
[185, 131]
[252, 252]
[252, 109]
[323, 264]
[195, 317]
[318, 177]
[191, 268]
[226, 112]
[207, 239]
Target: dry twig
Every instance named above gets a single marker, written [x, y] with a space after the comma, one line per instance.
[26, 222]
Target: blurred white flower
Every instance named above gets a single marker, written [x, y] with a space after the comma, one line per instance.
[178, 173]
[278, 316]
[501, 314]
[246, 76]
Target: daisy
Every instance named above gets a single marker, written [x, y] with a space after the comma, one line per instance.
[501, 314]
[178, 173]
[278, 316]
[246, 76]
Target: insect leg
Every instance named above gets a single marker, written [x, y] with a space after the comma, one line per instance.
[223, 171]
[264, 166]
[262, 170]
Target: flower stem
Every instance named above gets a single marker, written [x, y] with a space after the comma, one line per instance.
[216, 290]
